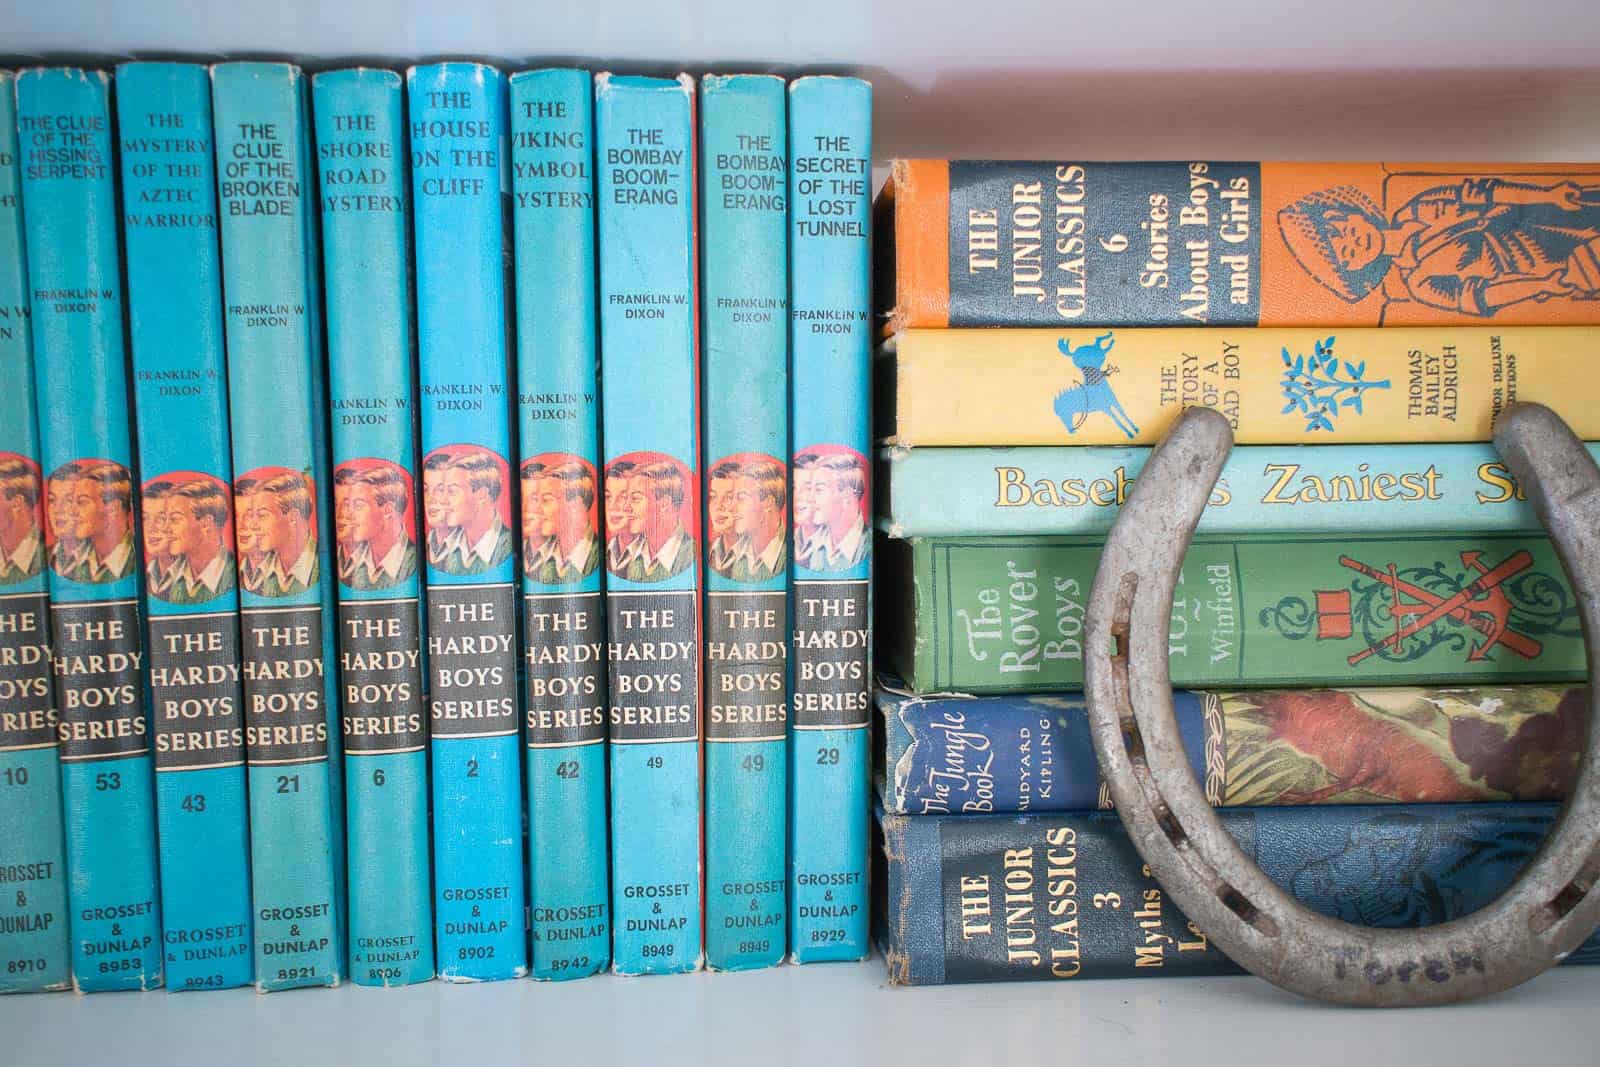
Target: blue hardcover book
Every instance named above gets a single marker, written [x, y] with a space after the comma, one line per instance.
[97, 635]
[459, 172]
[563, 616]
[169, 219]
[361, 157]
[746, 302]
[645, 152]
[830, 152]
[937, 492]
[34, 934]
[280, 462]
[993, 898]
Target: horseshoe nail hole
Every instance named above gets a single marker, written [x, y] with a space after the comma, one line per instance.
[1240, 905]
[1570, 897]
[1170, 825]
[1132, 739]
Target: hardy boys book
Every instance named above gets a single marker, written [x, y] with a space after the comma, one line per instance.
[563, 620]
[97, 635]
[1200, 243]
[169, 203]
[275, 381]
[645, 130]
[33, 912]
[830, 152]
[459, 171]
[990, 898]
[361, 154]
[745, 149]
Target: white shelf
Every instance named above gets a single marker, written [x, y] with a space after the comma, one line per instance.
[827, 1015]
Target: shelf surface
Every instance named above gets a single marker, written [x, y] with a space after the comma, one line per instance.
[840, 1015]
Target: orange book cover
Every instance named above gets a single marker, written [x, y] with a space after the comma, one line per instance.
[991, 243]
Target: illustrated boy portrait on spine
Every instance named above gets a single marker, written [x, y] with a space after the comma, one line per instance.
[90, 521]
[22, 547]
[277, 531]
[650, 520]
[467, 500]
[831, 531]
[188, 537]
[560, 519]
[374, 524]
[747, 504]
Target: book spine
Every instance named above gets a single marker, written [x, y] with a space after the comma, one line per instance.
[563, 613]
[361, 152]
[992, 243]
[1066, 897]
[650, 391]
[955, 755]
[1006, 614]
[97, 635]
[940, 492]
[34, 938]
[187, 520]
[1276, 386]
[830, 152]
[459, 175]
[746, 300]
[275, 367]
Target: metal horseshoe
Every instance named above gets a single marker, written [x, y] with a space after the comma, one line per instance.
[1546, 913]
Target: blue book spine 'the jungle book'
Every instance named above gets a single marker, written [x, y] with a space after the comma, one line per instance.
[563, 616]
[459, 179]
[830, 151]
[169, 218]
[645, 156]
[34, 936]
[97, 635]
[994, 898]
[746, 301]
[361, 173]
[275, 382]
[1463, 488]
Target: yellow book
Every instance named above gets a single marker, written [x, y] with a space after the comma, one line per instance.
[1276, 386]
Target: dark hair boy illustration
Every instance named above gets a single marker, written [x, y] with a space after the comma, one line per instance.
[622, 543]
[21, 541]
[722, 514]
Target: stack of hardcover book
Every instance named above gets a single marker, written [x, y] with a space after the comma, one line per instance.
[1374, 640]
[357, 437]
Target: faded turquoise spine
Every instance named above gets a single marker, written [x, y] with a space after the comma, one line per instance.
[650, 392]
[459, 174]
[745, 312]
[956, 492]
[275, 372]
[75, 275]
[830, 153]
[564, 686]
[361, 154]
[181, 391]
[35, 948]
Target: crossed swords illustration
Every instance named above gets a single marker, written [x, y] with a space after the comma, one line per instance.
[1481, 604]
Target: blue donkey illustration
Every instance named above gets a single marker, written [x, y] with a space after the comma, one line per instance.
[1094, 394]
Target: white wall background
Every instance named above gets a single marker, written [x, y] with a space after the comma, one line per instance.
[1351, 79]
